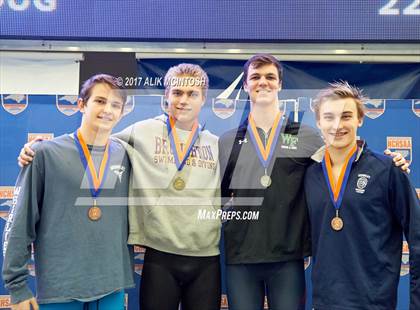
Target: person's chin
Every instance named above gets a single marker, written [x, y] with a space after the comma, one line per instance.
[264, 100]
[341, 144]
[105, 126]
[184, 117]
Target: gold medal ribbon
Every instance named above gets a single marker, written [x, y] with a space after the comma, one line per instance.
[95, 180]
[265, 152]
[181, 154]
[337, 190]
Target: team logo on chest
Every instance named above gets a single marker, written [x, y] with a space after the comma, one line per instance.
[361, 183]
[289, 141]
[118, 170]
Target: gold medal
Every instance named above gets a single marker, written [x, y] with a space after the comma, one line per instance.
[265, 180]
[179, 184]
[94, 212]
[337, 223]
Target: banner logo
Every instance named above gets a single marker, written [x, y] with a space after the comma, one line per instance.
[375, 108]
[307, 262]
[31, 269]
[126, 301]
[223, 107]
[402, 145]
[139, 252]
[6, 201]
[129, 105]
[31, 266]
[224, 302]
[67, 104]
[44, 136]
[138, 268]
[311, 105]
[14, 104]
[139, 256]
[405, 263]
[283, 104]
[5, 302]
[416, 107]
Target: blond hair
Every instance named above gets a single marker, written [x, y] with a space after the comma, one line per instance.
[186, 74]
[340, 90]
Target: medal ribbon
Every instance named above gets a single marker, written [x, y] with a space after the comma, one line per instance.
[337, 190]
[265, 153]
[180, 154]
[95, 181]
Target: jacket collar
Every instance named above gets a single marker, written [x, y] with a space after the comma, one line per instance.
[318, 156]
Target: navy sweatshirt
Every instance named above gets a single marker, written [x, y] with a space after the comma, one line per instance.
[359, 266]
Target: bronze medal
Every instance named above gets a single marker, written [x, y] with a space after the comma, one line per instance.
[337, 223]
[96, 179]
[179, 184]
[94, 213]
[265, 181]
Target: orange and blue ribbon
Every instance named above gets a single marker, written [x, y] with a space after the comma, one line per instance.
[337, 190]
[96, 181]
[181, 153]
[265, 153]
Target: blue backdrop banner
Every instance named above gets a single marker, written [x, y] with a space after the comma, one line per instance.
[392, 120]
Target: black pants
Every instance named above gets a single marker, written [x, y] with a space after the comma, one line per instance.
[284, 283]
[169, 279]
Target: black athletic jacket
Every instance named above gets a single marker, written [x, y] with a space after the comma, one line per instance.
[282, 231]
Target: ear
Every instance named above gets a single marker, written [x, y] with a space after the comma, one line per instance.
[245, 86]
[318, 124]
[360, 122]
[280, 86]
[81, 105]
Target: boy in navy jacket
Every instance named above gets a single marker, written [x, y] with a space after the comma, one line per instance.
[360, 207]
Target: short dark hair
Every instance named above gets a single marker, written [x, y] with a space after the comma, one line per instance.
[260, 60]
[101, 78]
